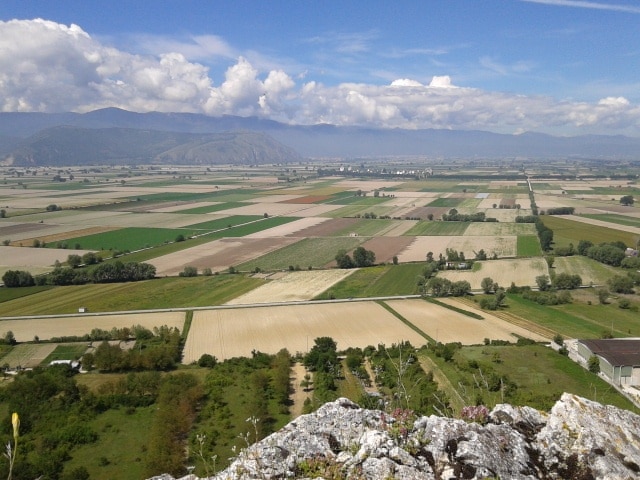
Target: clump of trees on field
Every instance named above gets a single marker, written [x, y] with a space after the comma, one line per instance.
[111, 272]
[626, 200]
[559, 211]
[455, 216]
[361, 258]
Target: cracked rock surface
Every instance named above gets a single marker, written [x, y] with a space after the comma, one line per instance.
[578, 439]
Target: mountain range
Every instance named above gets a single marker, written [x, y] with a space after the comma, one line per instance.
[116, 136]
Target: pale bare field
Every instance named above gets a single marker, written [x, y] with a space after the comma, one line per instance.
[28, 355]
[500, 228]
[28, 231]
[275, 197]
[494, 184]
[368, 185]
[288, 228]
[417, 251]
[260, 209]
[46, 328]
[227, 333]
[600, 223]
[184, 206]
[444, 325]
[219, 254]
[503, 246]
[311, 210]
[522, 272]
[293, 287]
[508, 214]
[37, 257]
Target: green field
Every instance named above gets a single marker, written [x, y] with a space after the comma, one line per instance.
[352, 200]
[427, 228]
[131, 238]
[315, 252]
[619, 219]
[66, 351]
[579, 319]
[381, 280]
[540, 374]
[569, 231]
[221, 223]
[446, 202]
[355, 210]
[170, 292]
[123, 437]
[528, 246]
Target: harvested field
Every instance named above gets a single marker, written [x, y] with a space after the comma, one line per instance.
[424, 212]
[506, 214]
[386, 248]
[522, 272]
[500, 228]
[401, 228]
[28, 355]
[219, 254]
[260, 209]
[369, 185]
[444, 325]
[417, 250]
[59, 237]
[313, 210]
[179, 206]
[12, 230]
[307, 199]
[78, 325]
[227, 333]
[37, 257]
[590, 271]
[292, 287]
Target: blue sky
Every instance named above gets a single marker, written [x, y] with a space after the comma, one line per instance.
[559, 66]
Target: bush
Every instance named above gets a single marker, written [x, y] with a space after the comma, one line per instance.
[189, 271]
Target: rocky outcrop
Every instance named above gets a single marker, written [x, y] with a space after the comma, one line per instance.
[578, 439]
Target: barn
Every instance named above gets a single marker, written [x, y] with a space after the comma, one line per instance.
[619, 358]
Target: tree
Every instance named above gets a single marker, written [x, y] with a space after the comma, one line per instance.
[603, 294]
[343, 259]
[180, 238]
[626, 200]
[363, 257]
[583, 246]
[189, 271]
[9, 338]
[460, 288]
[486, 284]
[74, 260]
[3, 213]
[439, 287]
[207, 361]
[543, 282]
[620, 284]
[594, 364]
[91, 258]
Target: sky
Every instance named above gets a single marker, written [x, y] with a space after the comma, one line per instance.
[564, 67]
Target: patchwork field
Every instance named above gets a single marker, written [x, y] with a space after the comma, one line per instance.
[503, 246]
[78, 325]
[228, 333]
[522, 272]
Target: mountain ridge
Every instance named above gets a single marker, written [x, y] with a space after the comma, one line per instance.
[325, 140]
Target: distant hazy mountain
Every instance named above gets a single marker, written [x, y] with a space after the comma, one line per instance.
[309, 141]
[68, 145]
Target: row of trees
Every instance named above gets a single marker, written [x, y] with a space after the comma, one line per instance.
[455, 216]
[104, 273]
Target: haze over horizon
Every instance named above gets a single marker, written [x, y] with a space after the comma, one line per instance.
[564, 67]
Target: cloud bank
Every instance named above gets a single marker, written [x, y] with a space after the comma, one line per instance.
[49, 67]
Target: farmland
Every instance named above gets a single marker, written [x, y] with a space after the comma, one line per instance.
[251, 239]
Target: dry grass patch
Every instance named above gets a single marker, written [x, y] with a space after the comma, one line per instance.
[293, 287]
[28, 355]
[25, 329]
[522, 272]
[289, 229]
[444, 325]
[227, 333]
[499, 228]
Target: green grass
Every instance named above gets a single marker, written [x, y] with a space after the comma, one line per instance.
[221, 223]
[446, 202]
[370, 200]
[528, 246]
[7, 294]
[619, 219]
[170, 292]
[317, 252]
[579, 319]
[68, 351]
[425, 227]
[378, 281]
[540, 373]
[569, 231]
[355, 210]
[132, 238]
[123, 435]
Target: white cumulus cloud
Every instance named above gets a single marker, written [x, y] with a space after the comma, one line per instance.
[49, 67]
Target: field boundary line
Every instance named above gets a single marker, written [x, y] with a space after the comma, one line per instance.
[405, 321]
[518, 321]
